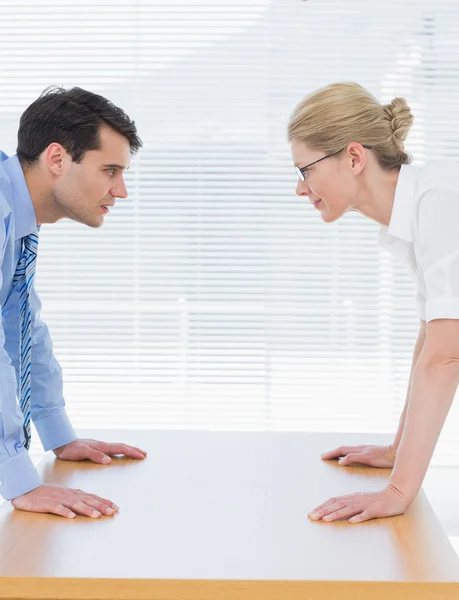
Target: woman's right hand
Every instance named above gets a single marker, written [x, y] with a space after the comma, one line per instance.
[373, 456]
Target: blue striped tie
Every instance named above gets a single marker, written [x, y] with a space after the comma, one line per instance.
[23, 278]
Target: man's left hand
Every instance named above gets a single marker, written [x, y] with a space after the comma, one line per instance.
[98, 452]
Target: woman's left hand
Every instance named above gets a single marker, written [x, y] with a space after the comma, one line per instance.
[362, 506]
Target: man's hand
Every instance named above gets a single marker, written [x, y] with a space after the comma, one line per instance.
[362, 507]
[98, 452]
[64, 502]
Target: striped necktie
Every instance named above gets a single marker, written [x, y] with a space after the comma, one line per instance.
[23, 279]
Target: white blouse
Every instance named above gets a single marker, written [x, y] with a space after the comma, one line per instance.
[424, 233]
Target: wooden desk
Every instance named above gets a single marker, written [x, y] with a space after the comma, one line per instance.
[220, 516]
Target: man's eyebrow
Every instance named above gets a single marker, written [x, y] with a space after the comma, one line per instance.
[116, 166]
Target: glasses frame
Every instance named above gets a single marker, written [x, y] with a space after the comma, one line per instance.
[301, 171]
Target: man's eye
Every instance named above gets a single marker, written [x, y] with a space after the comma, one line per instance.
[111, 171]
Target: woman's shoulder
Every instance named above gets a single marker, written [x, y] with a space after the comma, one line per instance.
[437, 198]
[439, 174]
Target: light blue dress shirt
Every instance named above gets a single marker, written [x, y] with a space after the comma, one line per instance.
[17, 472]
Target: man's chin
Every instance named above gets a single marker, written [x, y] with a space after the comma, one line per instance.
[94, 221]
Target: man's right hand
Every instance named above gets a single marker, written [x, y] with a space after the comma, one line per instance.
[65, 502]
[373, 456]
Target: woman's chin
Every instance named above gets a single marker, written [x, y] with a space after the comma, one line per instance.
[329, 216]
[326, 216]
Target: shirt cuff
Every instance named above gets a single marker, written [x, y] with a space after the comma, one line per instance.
[18, 476]
[442, 308]
[55, 430]
[421, 310]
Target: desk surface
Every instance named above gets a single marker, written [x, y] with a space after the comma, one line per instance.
[213, 514]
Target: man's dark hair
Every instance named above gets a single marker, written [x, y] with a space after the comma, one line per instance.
[71, 118]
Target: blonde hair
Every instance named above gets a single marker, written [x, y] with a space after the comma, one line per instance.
[334, 116]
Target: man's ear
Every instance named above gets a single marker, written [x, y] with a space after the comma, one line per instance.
[55, 157]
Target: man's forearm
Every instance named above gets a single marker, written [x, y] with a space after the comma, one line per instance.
[416, 353]
[433, 388]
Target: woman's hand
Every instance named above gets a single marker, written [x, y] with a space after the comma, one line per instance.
[362, 506]
[373, 456]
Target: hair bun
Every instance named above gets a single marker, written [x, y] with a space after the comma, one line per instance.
[400, 118]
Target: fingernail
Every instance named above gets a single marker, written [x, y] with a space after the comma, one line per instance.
[115, 507]
[106, 460]
[341, 460]
[314, 515]
[96, 513]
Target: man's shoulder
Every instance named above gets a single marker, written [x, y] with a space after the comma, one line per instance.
[6, 190]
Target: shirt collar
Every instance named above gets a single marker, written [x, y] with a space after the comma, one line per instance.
[24, 211]
[401, 220]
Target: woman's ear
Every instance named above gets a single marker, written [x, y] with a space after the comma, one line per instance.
[358, 156]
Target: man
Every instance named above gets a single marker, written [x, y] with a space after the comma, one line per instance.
[73, 147]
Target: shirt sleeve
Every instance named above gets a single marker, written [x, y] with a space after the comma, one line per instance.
[47, 400]
[420, 306]
[18, 474]
[438, 243]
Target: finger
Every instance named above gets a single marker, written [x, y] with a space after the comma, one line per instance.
[343, 513]
[140, 450]
[104, 501]
[82, 508]
[84, 495]
[99, 506]
[351, 458]
[341, 451]
[324, 505]
[126, 450]
[62, 511]
[364, 516]
[54, 508]
[97, 456]
[113, 449]
[106, 446]
[331, 508]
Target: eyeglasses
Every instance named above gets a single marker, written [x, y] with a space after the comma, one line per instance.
[302, 171]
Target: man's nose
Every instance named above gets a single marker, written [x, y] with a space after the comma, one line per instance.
[120, 190]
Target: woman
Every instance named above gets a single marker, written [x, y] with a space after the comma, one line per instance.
[349, 155]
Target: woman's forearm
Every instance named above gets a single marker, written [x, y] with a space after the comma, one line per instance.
[433, 387]
[416, 353]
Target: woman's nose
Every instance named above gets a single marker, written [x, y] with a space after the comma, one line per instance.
[302, 188]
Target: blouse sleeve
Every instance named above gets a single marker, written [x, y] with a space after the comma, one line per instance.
[438, 252]
[420, 306]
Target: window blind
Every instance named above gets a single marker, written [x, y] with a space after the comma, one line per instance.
[213, 297]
